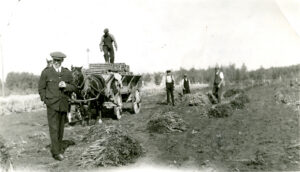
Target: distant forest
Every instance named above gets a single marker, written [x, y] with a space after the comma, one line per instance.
[231, 74]
[27, 83]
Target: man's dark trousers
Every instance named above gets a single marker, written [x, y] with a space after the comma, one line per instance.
[56, 122]
[109, 54]
[170, 89]
[217, 92]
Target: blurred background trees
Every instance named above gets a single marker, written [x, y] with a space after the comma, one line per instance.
[27, 83]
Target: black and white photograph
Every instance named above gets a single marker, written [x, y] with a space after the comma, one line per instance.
[149, 85]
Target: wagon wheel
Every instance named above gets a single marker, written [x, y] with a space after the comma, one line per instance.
[136, 102]
[118, 108]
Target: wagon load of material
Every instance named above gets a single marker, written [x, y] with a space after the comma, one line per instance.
[102, 68]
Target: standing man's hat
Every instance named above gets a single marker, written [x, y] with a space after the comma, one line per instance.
[168, 71]
[105, 30]
[58, 55]
[184, 75]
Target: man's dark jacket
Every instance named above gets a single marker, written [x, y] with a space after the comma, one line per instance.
[54, 97]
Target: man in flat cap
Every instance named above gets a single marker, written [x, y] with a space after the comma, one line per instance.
[106, 45]
[218, 83]
[170, 87]
[55, 86]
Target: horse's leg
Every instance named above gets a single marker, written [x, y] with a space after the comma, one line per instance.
[89, 113]
[83, 113]
[99, 114]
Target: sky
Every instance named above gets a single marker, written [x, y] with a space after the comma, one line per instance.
[152, 35]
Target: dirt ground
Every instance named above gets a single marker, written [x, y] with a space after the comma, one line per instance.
[264, 136]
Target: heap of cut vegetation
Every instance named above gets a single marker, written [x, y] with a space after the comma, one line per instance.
[280, 97]
[166, 122]
[109, 146]
[239, 101]
[220, 110]
[196, 99]
[233, 91]
[5, 163]
[212, 98]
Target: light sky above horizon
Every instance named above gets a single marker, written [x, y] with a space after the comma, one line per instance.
[152, 35]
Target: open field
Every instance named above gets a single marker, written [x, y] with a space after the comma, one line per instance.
[263, 136]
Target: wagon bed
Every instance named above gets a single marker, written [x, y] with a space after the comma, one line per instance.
[130, 90]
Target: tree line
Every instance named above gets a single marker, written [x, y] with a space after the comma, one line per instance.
[25, 82]
[231, 72]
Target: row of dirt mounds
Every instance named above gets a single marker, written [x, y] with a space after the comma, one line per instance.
[109, 146]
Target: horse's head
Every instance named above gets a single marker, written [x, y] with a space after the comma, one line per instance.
[77, 76]
[49, 62]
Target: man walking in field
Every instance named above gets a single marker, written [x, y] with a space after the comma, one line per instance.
[55, 86]
[185, 85]
[218, 84]
[106, 45]
[170, 87]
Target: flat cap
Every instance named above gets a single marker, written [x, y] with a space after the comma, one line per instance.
[168, 71]
[106, 30]
[58, 55]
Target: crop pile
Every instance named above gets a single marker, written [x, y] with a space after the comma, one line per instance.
[212, 98]
[232, 92]
[239, 101]
[5, 163]
[280, 97]
[109, 146]
[166, 122]
[196, 99]
[220, 110]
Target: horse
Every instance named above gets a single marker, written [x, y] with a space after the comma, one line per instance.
[49, 62]
[91, 89]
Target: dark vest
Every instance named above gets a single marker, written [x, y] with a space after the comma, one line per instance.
[217, 78]
[107, 41]
[186, 84]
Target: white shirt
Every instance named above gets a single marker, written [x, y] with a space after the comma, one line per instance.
[221, 75]
[182, 82]
[169, 78]
[57, 69]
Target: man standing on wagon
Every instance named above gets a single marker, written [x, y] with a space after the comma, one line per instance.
[106, 45]
[55, 86]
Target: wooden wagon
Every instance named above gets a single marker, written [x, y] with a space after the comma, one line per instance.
[128, 92]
